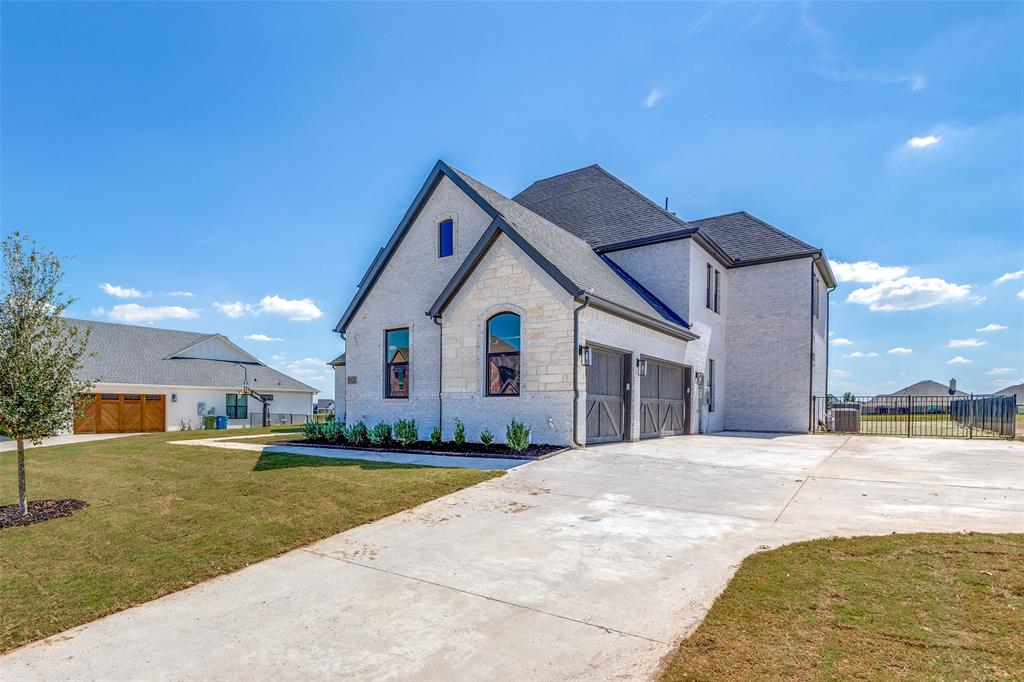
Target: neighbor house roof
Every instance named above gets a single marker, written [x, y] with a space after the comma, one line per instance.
[926, 388]
[610, 215]
[569, 260]
[1017, 390]
[128, 354]
[338, 361]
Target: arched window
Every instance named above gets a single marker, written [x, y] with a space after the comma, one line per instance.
[503, 354]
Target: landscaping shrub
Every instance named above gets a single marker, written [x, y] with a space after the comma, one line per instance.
[380, 434]
[460, 433]
[487, 438]
[359, 434]
[435, 435]
[517, 436]
[325, 432]
[406, 432]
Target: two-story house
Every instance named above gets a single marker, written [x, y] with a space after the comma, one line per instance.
[587, 311]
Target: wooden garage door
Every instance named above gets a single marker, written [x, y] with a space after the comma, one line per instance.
[663, 400]
[122, 413]
[606, 405]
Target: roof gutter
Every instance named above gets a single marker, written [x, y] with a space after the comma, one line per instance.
[640, 318]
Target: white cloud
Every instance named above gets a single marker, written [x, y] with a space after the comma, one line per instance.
[99, 312]
[959, 360]
[840, 373]
[909, 293]
[841, 342]
[301, 309]
[181, 294]
[899, 350]
[1020, 294]
[858, 354]
[1009, 277]
[966, 343]
[992, 327]
[123, 292]
[235, 309]
[133, 312]
[262, 337]
[653, 97]
[918, 82]
[922, 142]
[866, 271]
[1001, 370]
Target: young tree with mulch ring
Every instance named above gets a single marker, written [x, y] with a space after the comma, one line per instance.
[40, 354]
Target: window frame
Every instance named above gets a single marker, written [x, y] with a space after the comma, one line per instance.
[815, 300]
[711, 385]
[713, 289]
[718, 291]
[440, 239]
[231, 410]
[388, 365]
[488, 355]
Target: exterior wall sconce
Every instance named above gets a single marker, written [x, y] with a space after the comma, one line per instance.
[641, 367]
[174, 397]
[586, 356]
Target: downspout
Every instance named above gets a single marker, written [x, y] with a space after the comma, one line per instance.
[440, 369]
[576, 370]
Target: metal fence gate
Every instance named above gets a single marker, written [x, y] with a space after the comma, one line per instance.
[966, 416]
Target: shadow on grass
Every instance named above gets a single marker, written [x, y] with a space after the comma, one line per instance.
[271, 461]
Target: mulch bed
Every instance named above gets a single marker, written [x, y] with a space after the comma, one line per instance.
[533, 452]
[38, 510]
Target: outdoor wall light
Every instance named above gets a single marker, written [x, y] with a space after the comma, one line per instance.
[641, 367]
[174, 397]
[586, 356]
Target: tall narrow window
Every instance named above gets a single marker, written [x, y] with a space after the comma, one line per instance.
[711, 385]
[396, 363]
[503, 344]
[718, 290]
[707, 301]
[814, 295]
[445, 238]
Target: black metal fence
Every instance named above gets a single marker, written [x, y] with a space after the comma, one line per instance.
[958, 416]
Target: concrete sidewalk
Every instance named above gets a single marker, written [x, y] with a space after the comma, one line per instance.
[590, 565]
[11, 445]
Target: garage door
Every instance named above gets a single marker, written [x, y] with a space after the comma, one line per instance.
[663, 400]
[606, 405]
[122, 413]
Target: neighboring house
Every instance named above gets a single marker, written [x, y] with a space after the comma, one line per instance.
[587, 311]
[323, 405]
[895, 403]
[338, 364]
[1016, 391]
[149, 379]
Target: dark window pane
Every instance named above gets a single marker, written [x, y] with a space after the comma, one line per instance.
[503, 374]
[398, 381]
[446, 238]
[398, 345]
[396, 364]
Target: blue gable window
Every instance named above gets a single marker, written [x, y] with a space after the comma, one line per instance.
[445, 238]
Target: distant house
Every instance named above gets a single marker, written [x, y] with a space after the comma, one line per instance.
[338, 364]
[1016, 391]
[897, 402]
[149, 379]
[323, 406]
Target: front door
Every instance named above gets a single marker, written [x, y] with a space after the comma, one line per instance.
[606, 390]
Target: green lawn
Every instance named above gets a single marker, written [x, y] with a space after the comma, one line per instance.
[922, 606]
[162, 517]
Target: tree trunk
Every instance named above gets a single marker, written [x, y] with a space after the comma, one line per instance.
[22, 499]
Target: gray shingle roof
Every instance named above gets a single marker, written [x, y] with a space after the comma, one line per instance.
[746, 238]
[340, 360]
[596, 206]
[127, 354]
[572, 256]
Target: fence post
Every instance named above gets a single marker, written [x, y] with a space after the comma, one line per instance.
[970, 419]
[910, 415]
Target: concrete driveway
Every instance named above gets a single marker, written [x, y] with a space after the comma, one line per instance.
[590, 565]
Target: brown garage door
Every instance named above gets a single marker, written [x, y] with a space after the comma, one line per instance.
[122, 413]
[664, 396]
[606, 405]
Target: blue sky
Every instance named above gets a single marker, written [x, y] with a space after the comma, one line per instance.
[256, 156]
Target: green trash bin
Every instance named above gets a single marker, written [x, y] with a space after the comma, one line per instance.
[209, 422]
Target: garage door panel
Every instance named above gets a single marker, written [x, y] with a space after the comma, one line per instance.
[86, 422]
[663, 400]
[605, 397]
[153, 415]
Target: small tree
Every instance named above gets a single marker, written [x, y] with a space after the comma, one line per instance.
[849, 397]
[40, 353]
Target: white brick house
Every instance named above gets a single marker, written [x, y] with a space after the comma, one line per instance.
[587, 311]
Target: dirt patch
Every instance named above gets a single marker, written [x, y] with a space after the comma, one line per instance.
[38, 511]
